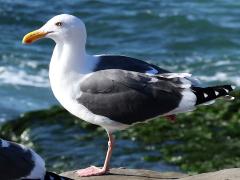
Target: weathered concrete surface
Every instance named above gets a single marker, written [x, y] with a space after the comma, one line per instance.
[226, 174]
[129, 174]
[138, 174]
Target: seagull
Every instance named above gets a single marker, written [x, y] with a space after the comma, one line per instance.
[114, 91]
[18, 162]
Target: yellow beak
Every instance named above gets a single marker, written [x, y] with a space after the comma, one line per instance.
[33, 36]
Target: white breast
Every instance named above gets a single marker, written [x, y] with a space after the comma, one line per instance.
[66, 72]
[63, 78]
[67, 94]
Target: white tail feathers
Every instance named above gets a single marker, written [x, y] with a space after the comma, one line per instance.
[233, 87]
[230, 98]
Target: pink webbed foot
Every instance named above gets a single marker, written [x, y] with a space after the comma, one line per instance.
[95, 171]
[91, 171]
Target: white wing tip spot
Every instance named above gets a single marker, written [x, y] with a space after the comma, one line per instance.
[227, 91]
[216, 93]
[205, 95]
[233, 87]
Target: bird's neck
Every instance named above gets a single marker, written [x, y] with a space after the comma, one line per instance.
[69, 64]
[68, 57]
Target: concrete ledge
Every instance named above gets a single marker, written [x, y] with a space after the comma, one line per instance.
[141, 174]
[226, 174]
[129, 174]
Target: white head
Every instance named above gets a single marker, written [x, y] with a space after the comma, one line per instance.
[62, 28]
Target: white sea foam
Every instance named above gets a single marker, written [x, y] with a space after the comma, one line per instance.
[32, 64]
[221, 76]
[10, 75]
[223, 62]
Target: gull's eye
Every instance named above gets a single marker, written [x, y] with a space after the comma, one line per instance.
[58, 24]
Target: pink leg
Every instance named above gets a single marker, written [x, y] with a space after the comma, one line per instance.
[95, 171]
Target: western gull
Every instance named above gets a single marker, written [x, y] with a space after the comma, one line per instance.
[18, 162]
[114, 91]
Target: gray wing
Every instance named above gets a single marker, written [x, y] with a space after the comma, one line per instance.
[15, 161]
[132, 64]
[129, 97]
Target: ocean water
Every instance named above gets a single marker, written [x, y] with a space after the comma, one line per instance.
[199, 37]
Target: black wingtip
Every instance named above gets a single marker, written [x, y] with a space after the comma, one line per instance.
[207, 94]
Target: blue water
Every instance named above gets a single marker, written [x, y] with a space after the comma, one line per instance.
[200, 37]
